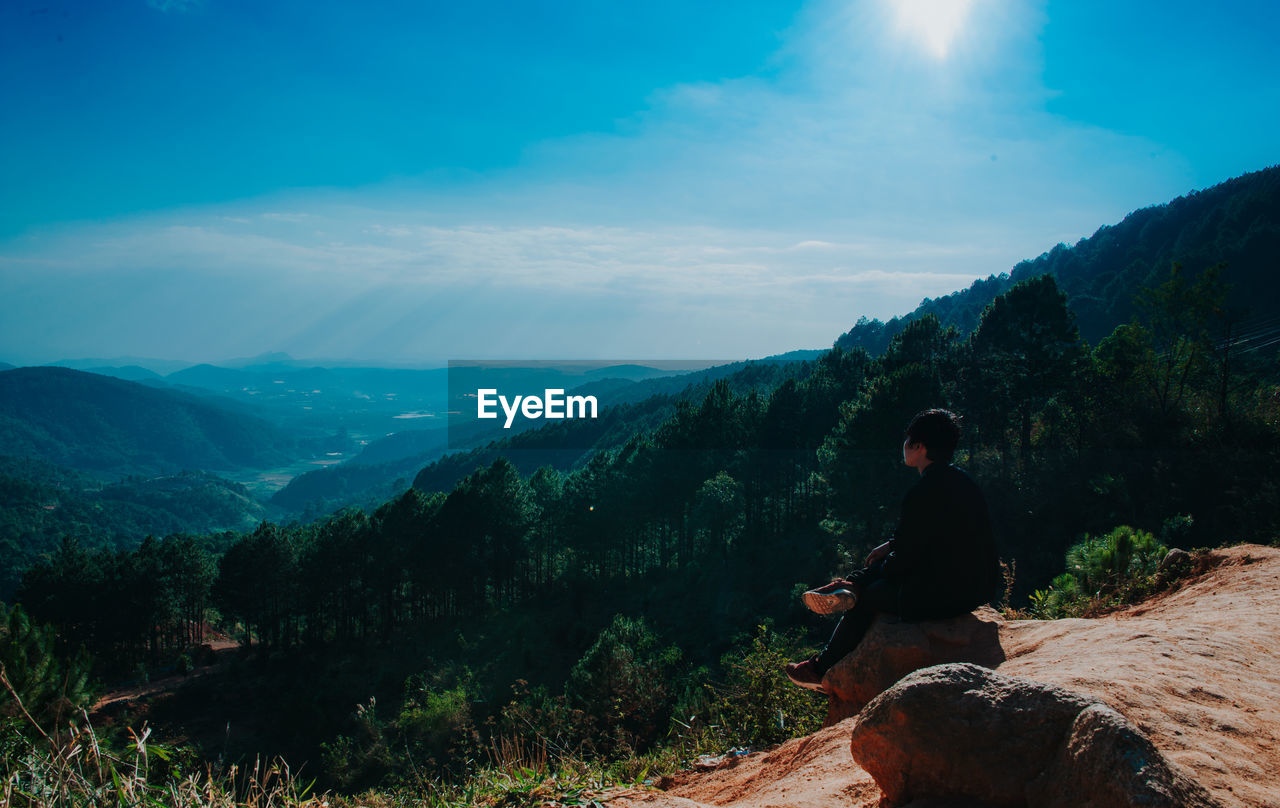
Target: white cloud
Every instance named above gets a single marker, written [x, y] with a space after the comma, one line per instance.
[741, 217]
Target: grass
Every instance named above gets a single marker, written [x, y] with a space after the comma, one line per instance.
[74, 767]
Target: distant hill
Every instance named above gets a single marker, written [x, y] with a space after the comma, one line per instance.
[1236, 222]
[270, 358]
[757, 374]
[386, 465]
[6, 366]
[327, 490]
[97, 423]
[631, 372]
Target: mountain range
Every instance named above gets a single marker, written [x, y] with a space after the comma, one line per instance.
[272, 410]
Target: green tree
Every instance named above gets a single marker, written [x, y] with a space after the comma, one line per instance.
[49, 685]
[1103, 563]
[1025, 350]
[257, 584]
[1178, 314]
[393, 536]
[1099, 568]
[623, 685]
[860, 460]
[188, 574]
[546, 487]
[334, 567]
[718, 511]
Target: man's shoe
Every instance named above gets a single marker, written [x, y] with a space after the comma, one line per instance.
[806, 675]
[830, 599]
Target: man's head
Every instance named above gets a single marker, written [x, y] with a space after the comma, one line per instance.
[938, 431]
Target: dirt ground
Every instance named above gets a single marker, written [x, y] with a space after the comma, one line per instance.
[223, 648]
[1197, 669]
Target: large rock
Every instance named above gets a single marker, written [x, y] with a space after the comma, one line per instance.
[894, 648]
[962, 732]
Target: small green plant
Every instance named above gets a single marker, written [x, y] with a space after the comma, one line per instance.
[1063, 598]
[756, 706]
[1111, 569]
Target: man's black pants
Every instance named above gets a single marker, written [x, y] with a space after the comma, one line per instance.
[875, 594]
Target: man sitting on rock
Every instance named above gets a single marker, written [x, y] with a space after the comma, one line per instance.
[941, 561]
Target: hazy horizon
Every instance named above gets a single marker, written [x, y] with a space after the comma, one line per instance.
[164, 366]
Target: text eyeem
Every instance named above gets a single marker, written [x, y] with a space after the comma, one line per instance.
[552, 404]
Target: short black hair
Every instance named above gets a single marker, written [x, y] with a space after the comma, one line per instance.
[939, 431]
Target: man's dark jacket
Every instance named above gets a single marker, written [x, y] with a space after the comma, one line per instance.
[943, 553]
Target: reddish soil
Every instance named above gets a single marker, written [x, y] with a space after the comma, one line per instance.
[1198, 669]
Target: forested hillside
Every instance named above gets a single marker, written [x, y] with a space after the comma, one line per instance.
[46, 504]
[1235, 224]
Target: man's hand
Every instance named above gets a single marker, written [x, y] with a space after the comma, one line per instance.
[879, 553]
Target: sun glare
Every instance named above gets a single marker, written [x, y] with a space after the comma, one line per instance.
[935, 24]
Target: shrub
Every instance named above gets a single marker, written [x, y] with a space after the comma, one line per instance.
[756, 705]
[436, 726]
[1105, 564]
[534, 713]
[362, 759]
[1111, 569]
[622, 685]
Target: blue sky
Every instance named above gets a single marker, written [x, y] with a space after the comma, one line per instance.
[414, 182]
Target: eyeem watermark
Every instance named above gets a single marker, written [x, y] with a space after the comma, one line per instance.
[553, 404]
[566, 403]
